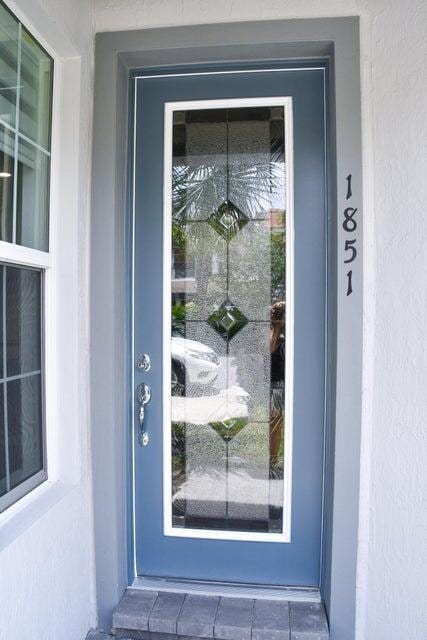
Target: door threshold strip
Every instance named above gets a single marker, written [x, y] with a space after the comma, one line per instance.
[235, 590]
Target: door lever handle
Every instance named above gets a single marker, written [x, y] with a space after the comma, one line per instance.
[143, 397]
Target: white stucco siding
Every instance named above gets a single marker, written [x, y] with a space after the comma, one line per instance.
[113, 15]
[397, 558]
[46, 547]
[45, 586]
[47, 571]
[391, 574]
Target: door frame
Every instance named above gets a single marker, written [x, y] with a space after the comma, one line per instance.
[117, 53]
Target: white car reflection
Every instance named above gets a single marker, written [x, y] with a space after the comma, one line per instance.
[193, 363]
[227, 404]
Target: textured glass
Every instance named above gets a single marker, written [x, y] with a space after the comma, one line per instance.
[251, 276]
[228, 319]
[199, 168]
[7, 170]
[32, 215]
[24, 417]
[199, 270]
[23, 329]
[8, 66]
[36, 91]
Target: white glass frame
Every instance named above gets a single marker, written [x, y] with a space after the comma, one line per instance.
[168, 529]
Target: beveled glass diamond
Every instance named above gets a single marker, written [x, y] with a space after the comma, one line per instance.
[228, 219]
[227, 320]
[229, 427]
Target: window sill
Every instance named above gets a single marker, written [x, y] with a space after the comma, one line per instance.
[21, 490]
[15, 520]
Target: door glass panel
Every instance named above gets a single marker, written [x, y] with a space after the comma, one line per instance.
[228, 320]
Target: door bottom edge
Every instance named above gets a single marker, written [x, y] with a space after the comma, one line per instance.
[224, 589]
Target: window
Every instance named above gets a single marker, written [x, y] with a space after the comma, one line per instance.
[26, 76]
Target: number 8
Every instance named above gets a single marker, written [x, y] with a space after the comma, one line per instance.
[349, 223]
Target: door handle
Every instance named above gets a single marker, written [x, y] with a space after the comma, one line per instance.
[143, 397]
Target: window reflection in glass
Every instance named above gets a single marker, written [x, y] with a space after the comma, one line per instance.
[36, 91]
[7, 154]
[32, 210]
[26, 75]
[8, 66]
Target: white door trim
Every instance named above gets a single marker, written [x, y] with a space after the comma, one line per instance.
[170, 108]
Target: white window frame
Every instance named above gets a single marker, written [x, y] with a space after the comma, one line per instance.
[62, 300]
[168, 528]
[21, 256]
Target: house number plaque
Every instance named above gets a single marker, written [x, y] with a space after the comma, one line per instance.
[350, 245]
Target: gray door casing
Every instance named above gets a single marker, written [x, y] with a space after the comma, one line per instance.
[117, 53]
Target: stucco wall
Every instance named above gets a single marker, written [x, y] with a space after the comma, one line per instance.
[47, 573]
[46, 559]
[394, 100]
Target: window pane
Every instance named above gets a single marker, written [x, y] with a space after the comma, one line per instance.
[23, 303]
[21, 387]
[7, 152]
[32, 213]
[24, 417]
[36, 90]
[8, 65]
[3, 485]
[2, 317]
[26, 80]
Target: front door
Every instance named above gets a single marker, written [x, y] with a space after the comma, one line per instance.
[229, 304]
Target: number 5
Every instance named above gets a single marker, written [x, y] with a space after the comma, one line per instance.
[349, 247]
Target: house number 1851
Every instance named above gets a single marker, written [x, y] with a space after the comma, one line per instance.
[350, 225]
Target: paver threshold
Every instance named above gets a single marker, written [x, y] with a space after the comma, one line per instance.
[152, 615]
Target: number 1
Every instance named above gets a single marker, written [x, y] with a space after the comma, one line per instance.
[349, 285]
[349, 194]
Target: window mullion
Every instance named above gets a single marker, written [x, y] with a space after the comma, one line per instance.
[6, 430]
[24, 256]
[18, 100]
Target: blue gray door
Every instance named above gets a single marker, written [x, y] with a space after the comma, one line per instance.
[229, 306]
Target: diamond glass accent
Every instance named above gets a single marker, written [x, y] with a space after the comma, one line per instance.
[227, 320]
[228, 219]
[229, 427]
